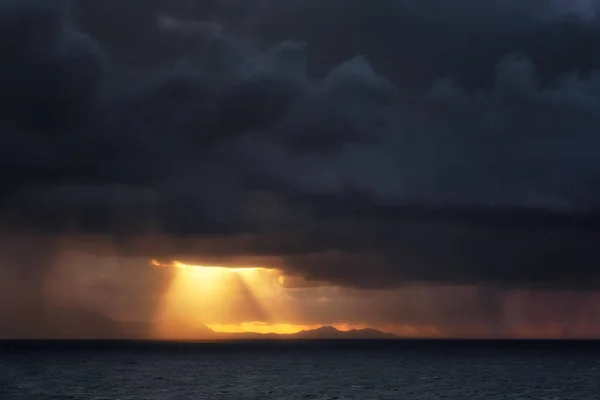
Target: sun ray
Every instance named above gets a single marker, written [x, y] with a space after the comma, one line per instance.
[201, 296]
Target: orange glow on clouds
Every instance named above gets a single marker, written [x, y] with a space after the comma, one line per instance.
[225, 299]
[238, 300]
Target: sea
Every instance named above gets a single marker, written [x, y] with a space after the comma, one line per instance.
[325, 370]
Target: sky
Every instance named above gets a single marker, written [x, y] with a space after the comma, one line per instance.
[427, 167]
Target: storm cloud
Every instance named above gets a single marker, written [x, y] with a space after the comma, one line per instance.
[368, 144]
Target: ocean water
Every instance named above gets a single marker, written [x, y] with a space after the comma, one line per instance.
[322, 370]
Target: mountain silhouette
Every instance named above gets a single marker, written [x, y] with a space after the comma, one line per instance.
[322, 333]
[72, 321]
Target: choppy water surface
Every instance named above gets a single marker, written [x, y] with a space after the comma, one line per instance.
[290, 372]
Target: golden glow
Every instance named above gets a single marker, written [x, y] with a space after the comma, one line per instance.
[261, 327]
[180, 265]
[155, 263]
[238, 300]
[212, 296]
[282, 329]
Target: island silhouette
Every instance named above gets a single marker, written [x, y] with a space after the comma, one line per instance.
[76, 322]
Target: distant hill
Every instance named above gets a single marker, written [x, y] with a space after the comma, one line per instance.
[72, 321]
[322, 333]
[329, 332]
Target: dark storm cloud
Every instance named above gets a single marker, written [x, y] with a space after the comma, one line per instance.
[366, 143]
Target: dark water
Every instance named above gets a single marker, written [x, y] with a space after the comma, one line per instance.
[308, 370]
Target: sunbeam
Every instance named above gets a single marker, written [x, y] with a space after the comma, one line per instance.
[201, 296]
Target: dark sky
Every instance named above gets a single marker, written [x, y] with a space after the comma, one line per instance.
[370, 144]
